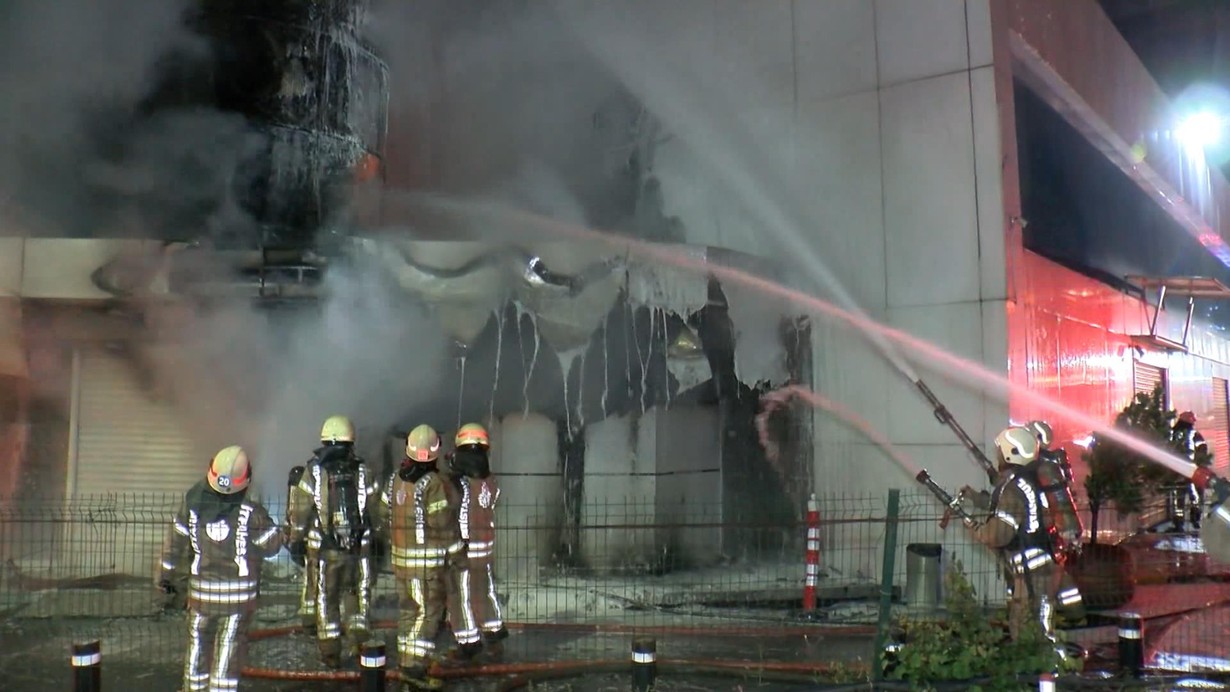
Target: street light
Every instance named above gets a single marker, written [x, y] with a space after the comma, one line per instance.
[1200, 130]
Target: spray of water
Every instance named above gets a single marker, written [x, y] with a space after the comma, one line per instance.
[781, 397]
[959, 369]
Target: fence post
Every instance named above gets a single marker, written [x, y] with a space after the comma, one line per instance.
[644, 664]
[87, 666]
[812, 556]
[886, 581]
[1131, 643]
[371, 664]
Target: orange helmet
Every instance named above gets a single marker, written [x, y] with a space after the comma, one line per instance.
[472, 434]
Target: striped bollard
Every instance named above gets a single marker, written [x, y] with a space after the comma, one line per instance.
[371, 667]
[644, 664]
[1046, 683]
[1131, 643]
[812, 558]
[87, 666]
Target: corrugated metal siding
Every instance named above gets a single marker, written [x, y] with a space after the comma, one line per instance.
[126, 441]
[1147, 377]
[1219, 426]
[134, 461]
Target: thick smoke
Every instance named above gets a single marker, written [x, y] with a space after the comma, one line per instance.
[517, 110]
[78, 154]
[267, 378]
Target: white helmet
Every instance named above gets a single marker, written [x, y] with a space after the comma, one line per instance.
[1017, 446]
[1043, 430]
[229, 470]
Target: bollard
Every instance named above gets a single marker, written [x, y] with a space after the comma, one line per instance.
[811, 569]
[1131, 643]
[371, 667]
[644, 664]
[87, 666]
[1046, 683]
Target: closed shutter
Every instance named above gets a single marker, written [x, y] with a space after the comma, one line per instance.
[127, 442]
[1147, 377]
[1219, 432]
[134, 461]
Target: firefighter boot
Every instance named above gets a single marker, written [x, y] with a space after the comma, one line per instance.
[330, 652]
[418, 679]
[494, 642]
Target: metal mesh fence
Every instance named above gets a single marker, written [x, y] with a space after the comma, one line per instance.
[707, 589]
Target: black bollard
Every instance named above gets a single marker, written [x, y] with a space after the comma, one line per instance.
[644, 664]
[87, 666]
[371, 667]
[1046, 683]
[1131, 644]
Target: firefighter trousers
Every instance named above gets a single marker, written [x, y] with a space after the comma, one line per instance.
[1039, 594]
[461, 604]
[479, 580]
[343, 582]
[307, 595]
[216, 648]
[422, 598]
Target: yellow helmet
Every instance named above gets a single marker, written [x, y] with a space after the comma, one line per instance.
[337, 429]
[423, 444]
[229, 470]
[472, 434]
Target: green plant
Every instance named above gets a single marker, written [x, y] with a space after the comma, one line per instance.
[1124, 476]
[969, 645]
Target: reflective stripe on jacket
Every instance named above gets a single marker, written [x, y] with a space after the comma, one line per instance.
[422, 522]
[221, 545]
[476, 515]
[310, 517]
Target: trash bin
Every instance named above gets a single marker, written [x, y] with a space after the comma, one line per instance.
[923, 575]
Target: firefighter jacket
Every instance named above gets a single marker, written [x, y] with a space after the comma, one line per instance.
[476, 515]
[1185, 436]
[1055, 478]
[220, 541]
[339, 487]
[1017, 524]
[421, 520]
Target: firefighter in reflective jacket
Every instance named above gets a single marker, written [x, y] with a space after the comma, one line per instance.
[1017, 527]
[471, 471]
[298, 502]
[1186, 501]
[336, 522]
[1055, 479]
[425, 543]
[220, 538]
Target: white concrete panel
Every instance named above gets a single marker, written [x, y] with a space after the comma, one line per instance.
[988, 171]
[835, 48]
[995, 359]
[11, 255]
[851, 373]
[978, 28]
[618, 490]
[957, 328]
[838, 152]
[531, 495]
[920, 38]
[61, 267]
[931, 228]
[758, 34]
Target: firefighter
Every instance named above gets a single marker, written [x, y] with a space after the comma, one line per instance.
[220, 538]
[1055, 476]
[336, 522]
[1017, 527]
[306, 556]
[471, 472]
[420, 516]
[1186, 501]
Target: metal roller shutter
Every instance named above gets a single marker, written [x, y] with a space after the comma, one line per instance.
[1147, 377]
[133, 463]
[127, 442]
[1219, 427]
